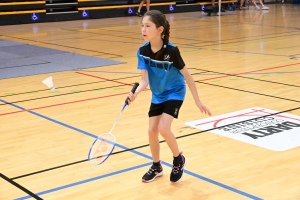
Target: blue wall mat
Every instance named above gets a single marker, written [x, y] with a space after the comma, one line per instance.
[27, 50]
[5, 56]
[19, 62]
[34, 69]
[17, 59]
[4, 43]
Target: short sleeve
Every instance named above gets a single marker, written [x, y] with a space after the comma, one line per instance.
[141, 61]
[177, 59]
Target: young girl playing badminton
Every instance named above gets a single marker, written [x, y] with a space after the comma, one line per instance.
[162, 67]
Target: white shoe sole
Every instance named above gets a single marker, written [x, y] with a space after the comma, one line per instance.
[157, 175]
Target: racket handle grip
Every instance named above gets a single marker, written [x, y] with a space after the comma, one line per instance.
[135, 86]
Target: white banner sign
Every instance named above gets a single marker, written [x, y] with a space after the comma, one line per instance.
[278, 132]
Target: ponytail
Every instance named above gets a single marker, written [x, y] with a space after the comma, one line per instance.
[165, 36]
[166, 33]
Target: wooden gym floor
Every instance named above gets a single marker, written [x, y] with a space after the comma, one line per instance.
[241, 60]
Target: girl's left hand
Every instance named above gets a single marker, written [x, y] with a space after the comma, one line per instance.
[203, 108]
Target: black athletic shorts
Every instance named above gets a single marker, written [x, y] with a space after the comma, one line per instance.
[170, 107]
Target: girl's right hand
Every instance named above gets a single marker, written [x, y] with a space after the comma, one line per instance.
[131, 97]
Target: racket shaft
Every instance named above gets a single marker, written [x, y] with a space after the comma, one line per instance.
[105, 144]
[135, 86]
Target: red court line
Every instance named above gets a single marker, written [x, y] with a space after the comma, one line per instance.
[78, 100]
[103, 78]
[131, 85]
[249, 72]
[107, 79]
[63, 103]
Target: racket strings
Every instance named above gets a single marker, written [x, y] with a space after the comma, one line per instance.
[101, 149]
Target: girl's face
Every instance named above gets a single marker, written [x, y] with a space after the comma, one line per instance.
[149, 30]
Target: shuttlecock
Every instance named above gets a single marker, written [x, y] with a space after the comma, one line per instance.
[49, 83]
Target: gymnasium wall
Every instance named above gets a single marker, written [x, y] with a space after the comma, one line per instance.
[37, 11]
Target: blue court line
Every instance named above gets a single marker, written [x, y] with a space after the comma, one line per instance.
[217, 183]
[87, 180]
[52, 120]
[138, 153]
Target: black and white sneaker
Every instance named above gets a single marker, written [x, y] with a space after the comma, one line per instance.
[138, 14]
[177, 171]
[154, 171]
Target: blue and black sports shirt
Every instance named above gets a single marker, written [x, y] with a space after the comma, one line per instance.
[165, 79]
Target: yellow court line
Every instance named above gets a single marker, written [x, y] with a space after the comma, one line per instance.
[204, 3]
[22, 12]
[89, 0]
[22, 3]
[122, 6]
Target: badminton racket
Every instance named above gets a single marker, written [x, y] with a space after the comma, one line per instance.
[104, 144]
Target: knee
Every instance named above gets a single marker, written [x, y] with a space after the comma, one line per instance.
[153, 132]
[163, 130]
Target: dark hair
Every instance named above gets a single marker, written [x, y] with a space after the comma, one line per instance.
[159, 19]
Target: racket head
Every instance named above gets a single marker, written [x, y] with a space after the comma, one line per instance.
[101, 148]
